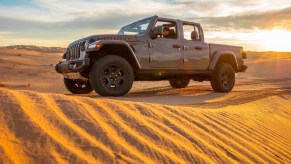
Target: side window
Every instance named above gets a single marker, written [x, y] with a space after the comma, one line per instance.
[169, 29]
[191, 32]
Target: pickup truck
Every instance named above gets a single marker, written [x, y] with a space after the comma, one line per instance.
[109, 64]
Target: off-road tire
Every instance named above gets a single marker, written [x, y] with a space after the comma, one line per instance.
[179, 83]
[111, 75]
[224, 78]
[78, 87]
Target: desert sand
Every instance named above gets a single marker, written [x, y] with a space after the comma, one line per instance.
[41, 122]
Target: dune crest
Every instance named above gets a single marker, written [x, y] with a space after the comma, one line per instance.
[38, 127]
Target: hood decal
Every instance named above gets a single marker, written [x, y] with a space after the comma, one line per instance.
[127, 38]
[114, 38]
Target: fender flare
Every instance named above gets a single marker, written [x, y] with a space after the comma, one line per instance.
[219, 55]
[114, 42]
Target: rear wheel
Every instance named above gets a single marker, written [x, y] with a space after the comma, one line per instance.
[179, 83]
[111, 76]
[78, 87]
[224, 78]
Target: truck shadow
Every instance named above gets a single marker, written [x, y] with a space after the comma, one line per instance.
[167, 95]
[175, 99]
[203, 96]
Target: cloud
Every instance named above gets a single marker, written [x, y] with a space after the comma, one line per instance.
[56, 19]
[264, 20]
[80, 26]
[63, 20]
[113, 13]
[218, 8]
[91, 8]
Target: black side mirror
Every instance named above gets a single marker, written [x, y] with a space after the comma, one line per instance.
[156, 31]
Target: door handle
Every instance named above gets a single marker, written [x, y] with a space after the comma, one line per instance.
[176, 46]
[198, 48]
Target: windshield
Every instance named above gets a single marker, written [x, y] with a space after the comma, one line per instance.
[136, 28]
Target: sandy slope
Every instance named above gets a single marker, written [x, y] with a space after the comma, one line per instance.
[28, 69]
[152, 124]
[51, 127]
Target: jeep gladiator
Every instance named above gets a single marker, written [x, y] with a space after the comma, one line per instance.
[108, 64]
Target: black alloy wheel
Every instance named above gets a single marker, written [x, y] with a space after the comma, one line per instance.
[223, 79]
[179, 83]
[78, 87]
[111, 75]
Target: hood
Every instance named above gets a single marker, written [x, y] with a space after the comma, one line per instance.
[93, 38]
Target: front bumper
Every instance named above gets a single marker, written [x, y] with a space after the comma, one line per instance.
[243, 68]
[77, 65]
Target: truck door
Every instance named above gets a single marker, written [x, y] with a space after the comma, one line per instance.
[166, 51]
[195, 50]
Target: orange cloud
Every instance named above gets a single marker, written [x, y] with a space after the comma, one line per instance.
[265, 20]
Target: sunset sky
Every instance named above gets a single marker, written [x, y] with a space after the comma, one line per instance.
[257, 25]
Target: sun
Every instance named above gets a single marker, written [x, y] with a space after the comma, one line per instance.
[264, 40]
[256, 40]
[268, 40]
[276, 40]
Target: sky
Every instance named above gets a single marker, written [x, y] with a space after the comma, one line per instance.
[257, 25]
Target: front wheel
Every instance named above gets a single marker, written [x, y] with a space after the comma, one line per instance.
[111, 76]
[224, 78]
[179, 83]
[78, 87]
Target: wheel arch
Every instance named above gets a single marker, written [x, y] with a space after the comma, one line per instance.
[119, 48]
[224, 57]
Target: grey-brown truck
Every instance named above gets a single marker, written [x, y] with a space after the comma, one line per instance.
[109, 64]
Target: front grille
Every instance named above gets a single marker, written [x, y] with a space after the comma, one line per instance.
[74, 50]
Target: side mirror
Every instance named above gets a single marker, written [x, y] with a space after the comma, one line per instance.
[156, 31]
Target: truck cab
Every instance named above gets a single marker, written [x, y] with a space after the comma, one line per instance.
[187, 51]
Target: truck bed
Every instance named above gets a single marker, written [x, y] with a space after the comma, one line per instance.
[221, 47]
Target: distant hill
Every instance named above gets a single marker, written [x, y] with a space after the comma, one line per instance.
[36, 48]
[268, 52]
[62, 50]
[268, 55]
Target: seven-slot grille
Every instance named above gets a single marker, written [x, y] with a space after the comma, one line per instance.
[74, 50]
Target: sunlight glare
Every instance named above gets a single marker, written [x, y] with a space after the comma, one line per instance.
[269, 40]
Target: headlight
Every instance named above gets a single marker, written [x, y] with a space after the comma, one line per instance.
[95, 45]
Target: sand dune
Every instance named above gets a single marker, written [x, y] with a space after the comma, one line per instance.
[39, 127]
[42, 123]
